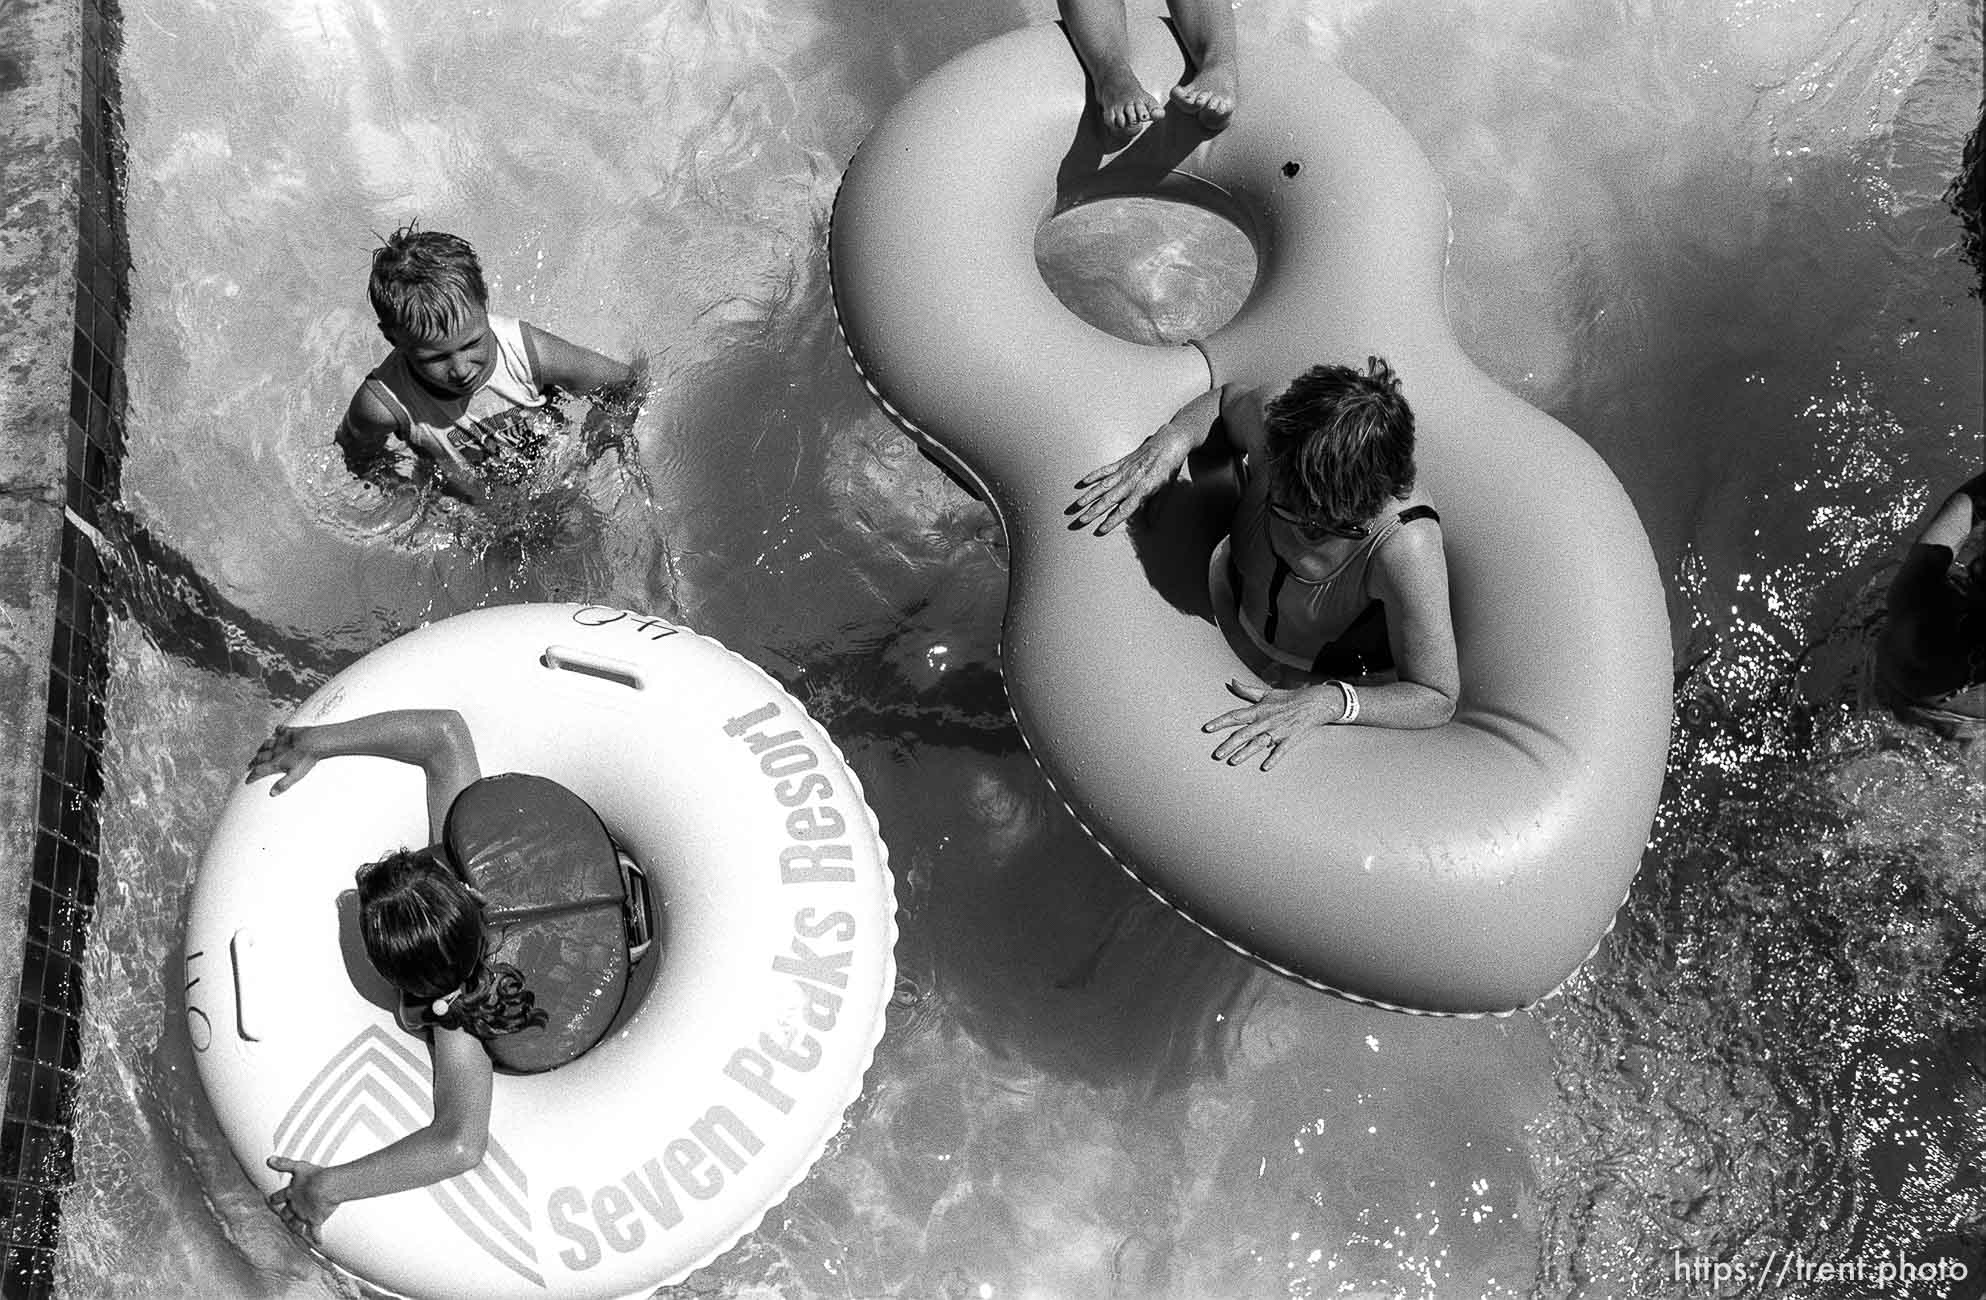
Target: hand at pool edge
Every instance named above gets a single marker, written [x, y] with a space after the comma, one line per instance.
[1275, 721]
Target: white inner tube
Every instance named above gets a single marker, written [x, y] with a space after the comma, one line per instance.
[655, 1151]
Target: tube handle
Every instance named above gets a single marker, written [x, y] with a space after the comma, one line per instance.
[241, 949]
[571, 659]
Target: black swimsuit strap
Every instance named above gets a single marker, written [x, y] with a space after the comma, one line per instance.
[1272, 616]
[1283, 573]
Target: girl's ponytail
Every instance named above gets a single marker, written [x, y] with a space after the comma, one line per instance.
[493, 1002]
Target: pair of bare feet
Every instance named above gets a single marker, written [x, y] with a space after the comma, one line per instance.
[1205, 29]
[1127, 108]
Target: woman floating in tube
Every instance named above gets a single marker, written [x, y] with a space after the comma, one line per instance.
[1331, 585]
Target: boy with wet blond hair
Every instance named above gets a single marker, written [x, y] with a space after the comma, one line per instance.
[461, 385]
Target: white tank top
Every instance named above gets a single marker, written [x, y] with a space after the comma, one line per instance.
[466, 430]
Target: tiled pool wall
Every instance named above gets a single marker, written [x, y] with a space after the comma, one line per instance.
[64, 267]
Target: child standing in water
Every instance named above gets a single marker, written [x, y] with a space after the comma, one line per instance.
[1206, 27]
[461, 384]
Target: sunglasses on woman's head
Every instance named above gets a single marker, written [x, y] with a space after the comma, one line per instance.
[1311, 528]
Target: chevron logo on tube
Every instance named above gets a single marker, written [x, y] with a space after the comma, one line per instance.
[381, 1086]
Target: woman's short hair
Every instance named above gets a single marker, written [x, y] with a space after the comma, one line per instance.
[424, 283]
[1341, 442]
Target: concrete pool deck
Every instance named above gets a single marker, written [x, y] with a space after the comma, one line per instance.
[63, 264]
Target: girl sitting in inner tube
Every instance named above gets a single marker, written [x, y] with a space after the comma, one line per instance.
[424, 931]
[1331, 586]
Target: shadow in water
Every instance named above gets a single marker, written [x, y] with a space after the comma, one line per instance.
[1038, 946]
[186, 616]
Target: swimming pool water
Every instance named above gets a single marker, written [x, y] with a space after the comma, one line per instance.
[1709, 236]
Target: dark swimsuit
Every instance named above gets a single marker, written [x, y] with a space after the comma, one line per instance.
[1931, 665]
[1327, 627]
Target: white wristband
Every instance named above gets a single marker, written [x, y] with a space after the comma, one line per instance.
[1350, 714]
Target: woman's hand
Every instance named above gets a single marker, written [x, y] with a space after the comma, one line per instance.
[1112, 493]
[1275, 721]
[303, 1206]
[292, 751]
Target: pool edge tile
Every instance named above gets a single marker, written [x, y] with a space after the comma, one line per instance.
[59, 130]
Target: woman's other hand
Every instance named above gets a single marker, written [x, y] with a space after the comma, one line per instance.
[1110, 494]
[1274, 721]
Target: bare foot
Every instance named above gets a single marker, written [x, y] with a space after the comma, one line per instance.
[1125, 106]
[1209, 96]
